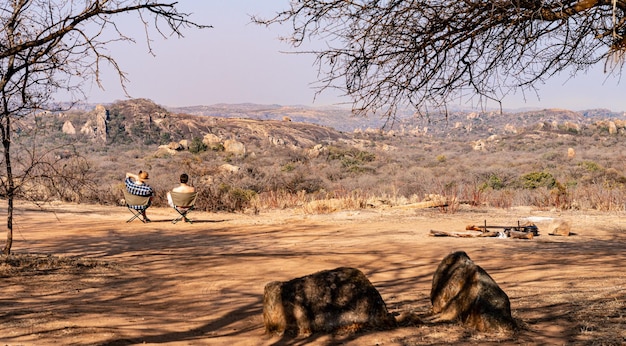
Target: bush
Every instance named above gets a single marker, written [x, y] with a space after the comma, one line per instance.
[197, 146]
[351, 159]
[494, 182]
[538, 179]
[590, 166]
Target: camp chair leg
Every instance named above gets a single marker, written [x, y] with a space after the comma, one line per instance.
[136, 215]
[183, 216]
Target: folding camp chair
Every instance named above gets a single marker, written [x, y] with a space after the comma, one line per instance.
[136, 205]
[183, 202]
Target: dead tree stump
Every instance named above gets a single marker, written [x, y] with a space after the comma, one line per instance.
[331, 301]
[463, 291]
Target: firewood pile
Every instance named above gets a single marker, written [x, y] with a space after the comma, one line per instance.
[527, 230]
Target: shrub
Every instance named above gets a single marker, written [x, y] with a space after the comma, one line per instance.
[535, 180]
[494, 182]
[301, 183]
[197, 146]
[590, 166]
[560, 197]
[224, 197]
[288, 167]
[166, 137]
[350, 158]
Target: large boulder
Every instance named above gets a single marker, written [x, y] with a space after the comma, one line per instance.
[235, 147]
[330, 301]
[479, 145]
[559, 227]
[463, 291]
[68, 128]
[175, 146]
[96, 126]
[228, 168]
[210, 139]
[164, 151]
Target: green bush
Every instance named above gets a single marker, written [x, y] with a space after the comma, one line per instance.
[239, 199]
[352, 159]
[591, 166]
[289, 167]
[166, 138]
[494, 182]
[535, 180]
[197, 146]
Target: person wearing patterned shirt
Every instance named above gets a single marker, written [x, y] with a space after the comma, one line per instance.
[136, 185]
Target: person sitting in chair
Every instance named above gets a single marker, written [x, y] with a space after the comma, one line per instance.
[136, 185]
[183, 187]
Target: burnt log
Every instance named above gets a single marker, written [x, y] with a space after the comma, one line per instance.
[341, 300]
[467, 234]
[463, 291]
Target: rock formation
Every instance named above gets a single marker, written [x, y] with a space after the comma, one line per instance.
[462, 291]
[96, 126]
[338, 300]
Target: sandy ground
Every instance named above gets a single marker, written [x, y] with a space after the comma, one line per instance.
[202, 283]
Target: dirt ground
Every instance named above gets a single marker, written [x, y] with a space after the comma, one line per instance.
[119, 283]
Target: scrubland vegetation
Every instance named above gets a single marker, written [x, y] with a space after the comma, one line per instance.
[544, 167]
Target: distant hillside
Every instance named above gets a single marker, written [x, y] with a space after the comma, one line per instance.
[143, 121]
[341, 119]
[436, 124]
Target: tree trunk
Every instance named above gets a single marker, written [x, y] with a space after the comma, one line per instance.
[6, 145]
[9, 243]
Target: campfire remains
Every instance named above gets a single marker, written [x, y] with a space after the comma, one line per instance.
[526, 230]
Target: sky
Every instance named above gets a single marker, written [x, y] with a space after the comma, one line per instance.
[240, 62]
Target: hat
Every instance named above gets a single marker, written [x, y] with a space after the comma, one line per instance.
[143, 175]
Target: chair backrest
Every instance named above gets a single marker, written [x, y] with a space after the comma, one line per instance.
[184, 199]
[135, 200]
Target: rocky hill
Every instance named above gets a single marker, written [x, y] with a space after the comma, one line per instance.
[143, 121]
[340, 119]
[455, 123]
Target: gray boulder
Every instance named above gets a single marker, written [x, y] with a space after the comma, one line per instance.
[330, 301]
[462, 291]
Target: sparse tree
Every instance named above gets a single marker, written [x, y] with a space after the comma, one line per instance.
[48, 46]
[425, 53]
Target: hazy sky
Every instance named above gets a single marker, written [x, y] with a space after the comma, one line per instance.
[237, 62]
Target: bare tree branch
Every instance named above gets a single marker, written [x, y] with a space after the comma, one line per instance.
[389, 54]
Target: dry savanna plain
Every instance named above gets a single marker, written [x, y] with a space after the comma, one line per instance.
[81, 275]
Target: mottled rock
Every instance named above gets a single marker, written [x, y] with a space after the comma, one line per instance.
[463, 291]
[559, 227]
[330, 301]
